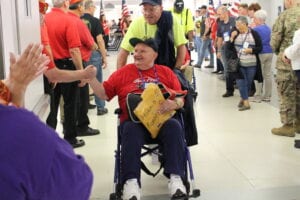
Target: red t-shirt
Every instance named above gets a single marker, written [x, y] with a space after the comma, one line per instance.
[86, 38]
[45, 41]
[63, 33]
[129, 79]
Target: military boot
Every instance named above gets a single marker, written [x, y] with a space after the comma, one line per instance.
[286, 130]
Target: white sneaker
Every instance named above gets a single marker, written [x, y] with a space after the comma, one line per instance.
[131, 190]
[256, 99]
[176, 187]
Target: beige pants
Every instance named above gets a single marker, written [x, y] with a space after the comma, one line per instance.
[188, 73]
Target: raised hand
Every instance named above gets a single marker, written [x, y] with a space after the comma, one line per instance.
[29, 65]
[23, 70]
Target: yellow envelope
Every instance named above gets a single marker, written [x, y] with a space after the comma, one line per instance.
[147, 110]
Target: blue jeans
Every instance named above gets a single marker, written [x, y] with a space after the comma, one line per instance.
[245, 84]
[198, 44]
[206, 47]
[135, 135]
[96, 60]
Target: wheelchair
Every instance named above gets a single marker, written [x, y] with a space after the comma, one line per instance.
[188, 179]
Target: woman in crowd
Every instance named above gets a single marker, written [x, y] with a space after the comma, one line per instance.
[253, 7]
[246, 43]
[264, 91]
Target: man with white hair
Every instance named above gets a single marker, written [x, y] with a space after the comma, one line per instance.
[225, 26]
[65, 42]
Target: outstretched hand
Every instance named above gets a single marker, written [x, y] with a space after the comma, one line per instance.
[28, 66]
[90, 72]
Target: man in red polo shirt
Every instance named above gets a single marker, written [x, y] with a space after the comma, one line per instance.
[65, 42]
[87, 45]
[53, 74]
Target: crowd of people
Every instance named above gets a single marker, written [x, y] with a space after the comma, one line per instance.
[249, 39]
[74, 46]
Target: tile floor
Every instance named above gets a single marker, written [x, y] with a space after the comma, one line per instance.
[237, 157]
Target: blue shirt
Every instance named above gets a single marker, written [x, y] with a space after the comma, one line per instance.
[35, 163]
[265, 35]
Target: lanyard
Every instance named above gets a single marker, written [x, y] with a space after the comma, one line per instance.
[143, 79]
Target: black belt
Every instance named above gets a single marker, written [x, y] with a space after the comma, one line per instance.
[64, 60]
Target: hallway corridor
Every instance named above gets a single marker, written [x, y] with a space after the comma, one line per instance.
[237, 157]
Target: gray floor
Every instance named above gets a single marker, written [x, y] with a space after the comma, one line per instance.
[237, 157]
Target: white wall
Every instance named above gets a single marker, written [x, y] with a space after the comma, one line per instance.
[21, 22]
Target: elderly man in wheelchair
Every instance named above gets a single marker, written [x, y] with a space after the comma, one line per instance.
[133, 78]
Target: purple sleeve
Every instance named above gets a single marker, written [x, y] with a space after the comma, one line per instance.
[35, 163]
[70, 177]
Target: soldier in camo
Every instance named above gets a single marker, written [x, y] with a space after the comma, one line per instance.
[288, 91]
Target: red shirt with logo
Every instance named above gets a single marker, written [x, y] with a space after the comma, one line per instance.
[129, 79]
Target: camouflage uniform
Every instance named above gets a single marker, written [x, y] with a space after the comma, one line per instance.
[288, 90]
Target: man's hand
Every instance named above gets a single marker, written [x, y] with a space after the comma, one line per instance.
[90, 72]
[167, 106]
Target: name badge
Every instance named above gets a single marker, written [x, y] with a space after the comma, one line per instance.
[144, 85]
[226, 36]
[246, 45]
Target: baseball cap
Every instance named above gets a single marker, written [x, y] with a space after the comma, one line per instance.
[152, 2]
[150, 42]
